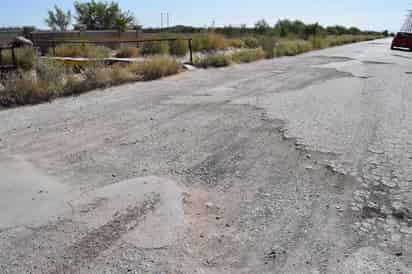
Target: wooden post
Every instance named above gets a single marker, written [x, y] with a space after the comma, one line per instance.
[191, 51]
[13, 56]
[54, 47]
[1, 57]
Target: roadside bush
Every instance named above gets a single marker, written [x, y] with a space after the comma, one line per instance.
[236, 43]
[292, 47]
[179, 47]
[81, 51]
[303, 46]
[154, 68]
[120, 75]
[318, 42]
[216, 60]
[251, 42]
[153, 48]
[248, 55]
[76, 84]
[25, 57]
[268, 44]
[31, 87]
[129, 52]
[209, 42]
[337, 40]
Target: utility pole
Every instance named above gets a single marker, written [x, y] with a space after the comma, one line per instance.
[164, 20]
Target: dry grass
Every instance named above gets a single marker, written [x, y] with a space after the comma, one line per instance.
[236, 43]
[251, 42]
[216, 60]
[153, 48]
[25, 57]
[129, 52]
[50, 79]
[85, 51]
[31, 87]
[209, 42]
[179, 47]
[154, 68]
[292, 47]
[248, 55]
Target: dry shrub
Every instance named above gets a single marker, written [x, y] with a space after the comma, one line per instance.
[268, 43]
[209, 42]
[154, 47]
[120, 75]
[251, 42]
[129, 52]
[25, 57]
[318, 42]
[292, 47]
[154, 68]
[179, 47]
[81, 51]
[236, 43]
[248, 55]
[75, 84]
[35, 86]
[216, 60]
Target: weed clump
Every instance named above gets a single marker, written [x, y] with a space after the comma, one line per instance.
[154, 68]
[25, 57]
[81, 51]
[154, 48]
[129, 52]
[216, 60]
[179, 47]
[248, 55]
[251, 42]
[209, 42]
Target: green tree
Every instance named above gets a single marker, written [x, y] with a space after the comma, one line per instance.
[58, 19]
[262, 27]
[283, 28]
[354, 30]
[314, 30]
[103, 15]
[337, 30]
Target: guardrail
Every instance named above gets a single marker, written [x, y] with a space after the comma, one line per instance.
[137, 42]
[12, 66]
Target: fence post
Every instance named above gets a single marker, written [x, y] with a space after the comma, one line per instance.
[13, 56]
[1, 56]
[54, 47]
[191, 51]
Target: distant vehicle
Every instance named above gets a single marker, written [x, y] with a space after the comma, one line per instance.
[402, 40]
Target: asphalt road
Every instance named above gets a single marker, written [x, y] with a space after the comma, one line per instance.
[291, 165]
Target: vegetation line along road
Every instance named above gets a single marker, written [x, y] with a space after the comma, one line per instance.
[39, 79]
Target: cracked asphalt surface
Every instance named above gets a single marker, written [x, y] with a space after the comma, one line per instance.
[292, 165]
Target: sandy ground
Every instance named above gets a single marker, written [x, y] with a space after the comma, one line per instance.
[291, 165]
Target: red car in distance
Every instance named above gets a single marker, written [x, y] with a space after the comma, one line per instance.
[402, 40]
